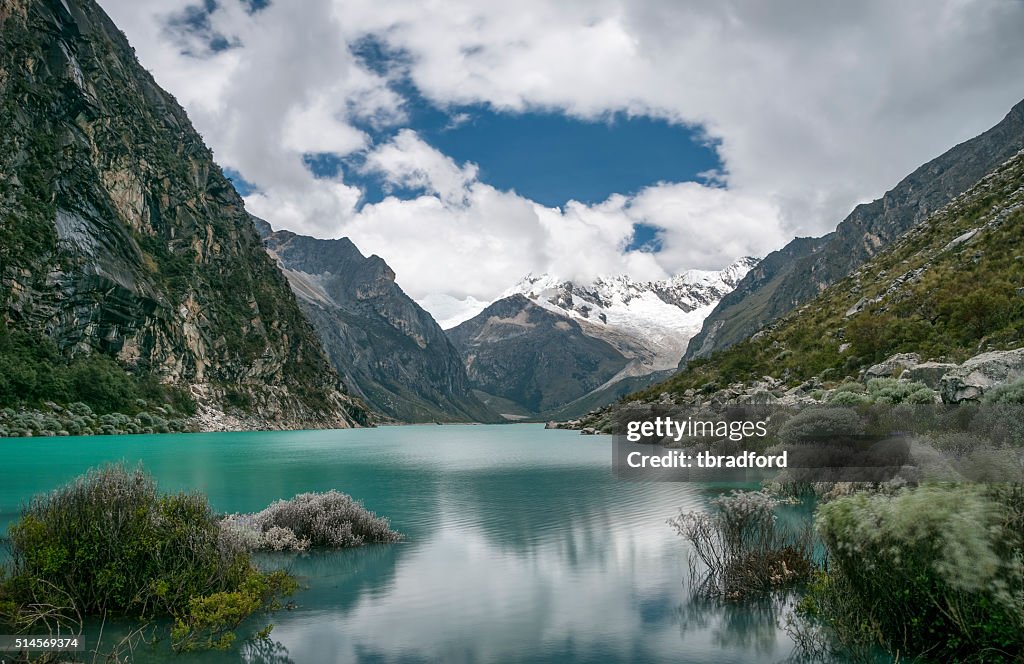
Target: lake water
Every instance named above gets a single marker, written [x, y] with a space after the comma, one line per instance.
[520, 544]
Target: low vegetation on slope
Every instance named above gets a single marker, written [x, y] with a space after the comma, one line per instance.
[44, 393]
[948, 289]
[33, 371]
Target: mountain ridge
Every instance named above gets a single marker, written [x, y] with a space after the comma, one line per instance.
[649, 320]
[119, 234]
[949, 291]
[553, 348]
[390, 351]
[806, 266]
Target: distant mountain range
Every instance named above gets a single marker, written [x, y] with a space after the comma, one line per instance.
[556, 348]
[130, 268]
[649, 322]
[547, 347]
[132, 278]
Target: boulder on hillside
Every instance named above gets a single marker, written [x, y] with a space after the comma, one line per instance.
[973, 378]
[894, 366]
[929, 373]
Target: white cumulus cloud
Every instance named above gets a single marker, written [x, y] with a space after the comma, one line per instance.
[812, 107]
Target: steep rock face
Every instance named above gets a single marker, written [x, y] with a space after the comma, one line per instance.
[804, 268]
[950, 291]
[388, 349]
[538, 360]
[120, 235]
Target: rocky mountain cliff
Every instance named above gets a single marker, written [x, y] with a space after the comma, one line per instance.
[526, 360]
[804, 268]
[553, 348]
[936, 315]
[387, 348]
[120, 236]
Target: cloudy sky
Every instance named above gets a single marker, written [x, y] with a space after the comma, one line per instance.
[470, 143]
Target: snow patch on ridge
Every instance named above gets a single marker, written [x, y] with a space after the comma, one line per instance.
[650, 321]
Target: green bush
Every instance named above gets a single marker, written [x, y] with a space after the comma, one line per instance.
[821, 425]
[849, 398]
[882, 390]
[211, 620]
[238, 399]
[34, 371]
[893, 391]
[933, 571]
[1012, 393]
[113, 545]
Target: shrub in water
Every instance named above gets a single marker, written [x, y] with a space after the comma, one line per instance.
[211, 620]
[935, 570]
[330, 519]
[742, 547]
[112, 544]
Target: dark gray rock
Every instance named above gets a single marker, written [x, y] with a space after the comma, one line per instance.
[929, 373]
[532, 358]
[387, 348]
[973, 378]
[894, 366]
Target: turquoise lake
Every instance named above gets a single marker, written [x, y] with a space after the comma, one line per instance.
[521, 546]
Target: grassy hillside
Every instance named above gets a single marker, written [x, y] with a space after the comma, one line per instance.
[797, 273]
[948, 289]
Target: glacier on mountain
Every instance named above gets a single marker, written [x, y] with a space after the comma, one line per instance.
[650, 322]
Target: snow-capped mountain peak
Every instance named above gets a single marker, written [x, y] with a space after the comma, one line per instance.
[651, 321]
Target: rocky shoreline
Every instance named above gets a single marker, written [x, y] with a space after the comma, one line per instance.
[79, 419]
[947, 382]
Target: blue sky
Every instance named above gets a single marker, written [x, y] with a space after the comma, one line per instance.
[561, 137]
[545, 156]
[542, 154]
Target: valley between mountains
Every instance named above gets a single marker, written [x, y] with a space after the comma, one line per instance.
[144, 289]
[138, 294]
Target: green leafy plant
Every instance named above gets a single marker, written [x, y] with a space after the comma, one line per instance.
[935, 571]
[115, 546]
